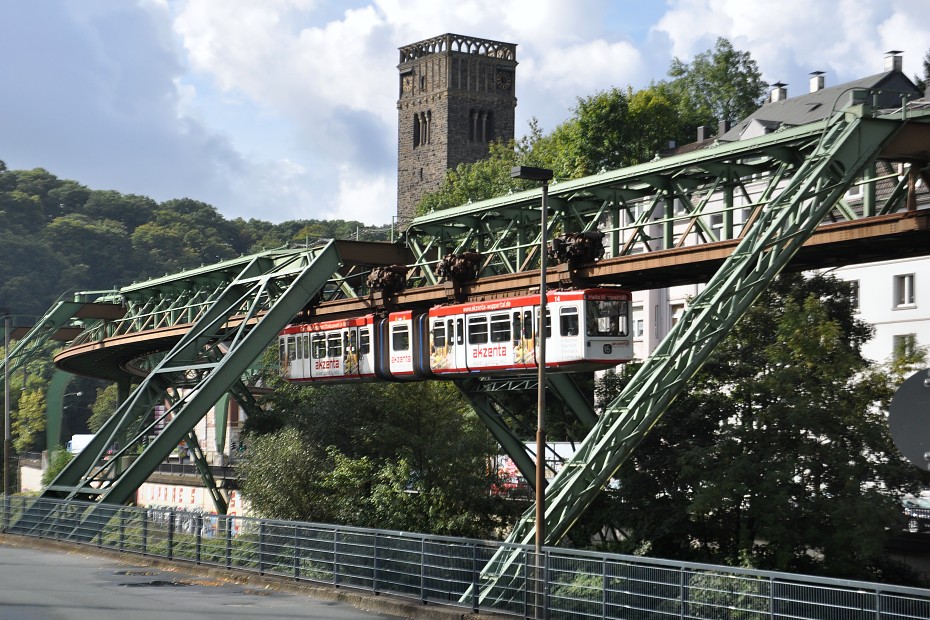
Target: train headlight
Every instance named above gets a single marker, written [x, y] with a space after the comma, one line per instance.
[608, 349]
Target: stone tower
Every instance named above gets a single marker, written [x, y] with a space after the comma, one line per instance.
[456, 95]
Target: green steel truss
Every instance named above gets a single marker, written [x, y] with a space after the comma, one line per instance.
[687, 200]
[208, 360]
[784, 216]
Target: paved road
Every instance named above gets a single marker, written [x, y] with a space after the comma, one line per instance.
[37, 585]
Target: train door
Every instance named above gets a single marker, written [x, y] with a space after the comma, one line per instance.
[568, 345]
[366, 363]
[303, 355]
[548, 329]
[524, 347]
[400, 344]
[287, 356]
[455, 327]
[317, 359]
[441, 345]
[350, 353]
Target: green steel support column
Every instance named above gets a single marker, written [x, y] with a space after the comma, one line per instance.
[868, 192]
[668, 226]
[564, 386]
[54, 405]
[847, 144]
[278, 291]
[209, 482]
[245, 349]
[512, 445]
[123, 390]
[221, 415]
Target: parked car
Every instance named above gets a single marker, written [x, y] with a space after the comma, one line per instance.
[917, 514]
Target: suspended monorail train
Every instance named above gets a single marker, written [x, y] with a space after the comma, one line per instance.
[495, 338]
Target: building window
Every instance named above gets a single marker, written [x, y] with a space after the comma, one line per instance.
[480, 126]
[638, 321]
[676, 311]
[421, 128]
[904, 346]
[904, 291]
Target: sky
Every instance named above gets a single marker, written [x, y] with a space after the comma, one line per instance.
[286, 109]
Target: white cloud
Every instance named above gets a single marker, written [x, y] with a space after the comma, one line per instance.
[285, 109]
[791, 38]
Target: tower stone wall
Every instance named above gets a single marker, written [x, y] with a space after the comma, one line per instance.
[456, 95]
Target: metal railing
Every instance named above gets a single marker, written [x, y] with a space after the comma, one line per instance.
[448, 571]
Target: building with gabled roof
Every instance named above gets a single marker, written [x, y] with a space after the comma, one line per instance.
[893, 295]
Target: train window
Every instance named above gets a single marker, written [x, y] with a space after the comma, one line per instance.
[568, 321]
[477, 330]
[439, 334]
[527, 324]
[607, 317]
[348, 340]
[306, 353]
[318, 346]
[282, 349]
[400, 337]
[364, 342]
[334, 345]
[459, 331]
[500, 328]
[291, 349]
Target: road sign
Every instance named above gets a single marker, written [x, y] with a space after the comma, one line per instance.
[909, 419]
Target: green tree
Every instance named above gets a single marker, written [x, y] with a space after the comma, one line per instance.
[921, 81]
[777, 457]
[722, 84]
[104, 406]
[475, 181]
[28, 420]
[60, 459]
[404, 456]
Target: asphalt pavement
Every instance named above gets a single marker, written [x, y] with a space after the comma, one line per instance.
[39, 584]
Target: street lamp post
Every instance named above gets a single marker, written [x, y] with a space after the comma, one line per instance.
[7, 437]
[544, 175]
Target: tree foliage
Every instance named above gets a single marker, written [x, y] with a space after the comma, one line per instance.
[777, 457]
[398, 456]
[57, 235]
[103, 407]
[722, 84]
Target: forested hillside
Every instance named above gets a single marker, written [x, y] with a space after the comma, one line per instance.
[58, 236]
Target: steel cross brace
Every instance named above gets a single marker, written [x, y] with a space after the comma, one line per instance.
[795, 209]
[266, 295]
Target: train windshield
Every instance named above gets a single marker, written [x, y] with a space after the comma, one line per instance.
[608, 317]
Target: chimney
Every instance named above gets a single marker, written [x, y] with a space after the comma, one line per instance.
[722, 128]
[816, 81]
[893, 60]
[703, 133]
[779, 92]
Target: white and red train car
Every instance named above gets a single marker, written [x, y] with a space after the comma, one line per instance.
[585, 329]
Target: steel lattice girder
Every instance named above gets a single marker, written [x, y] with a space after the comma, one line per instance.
[266, 294]
[788, 217]
[679, 201]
